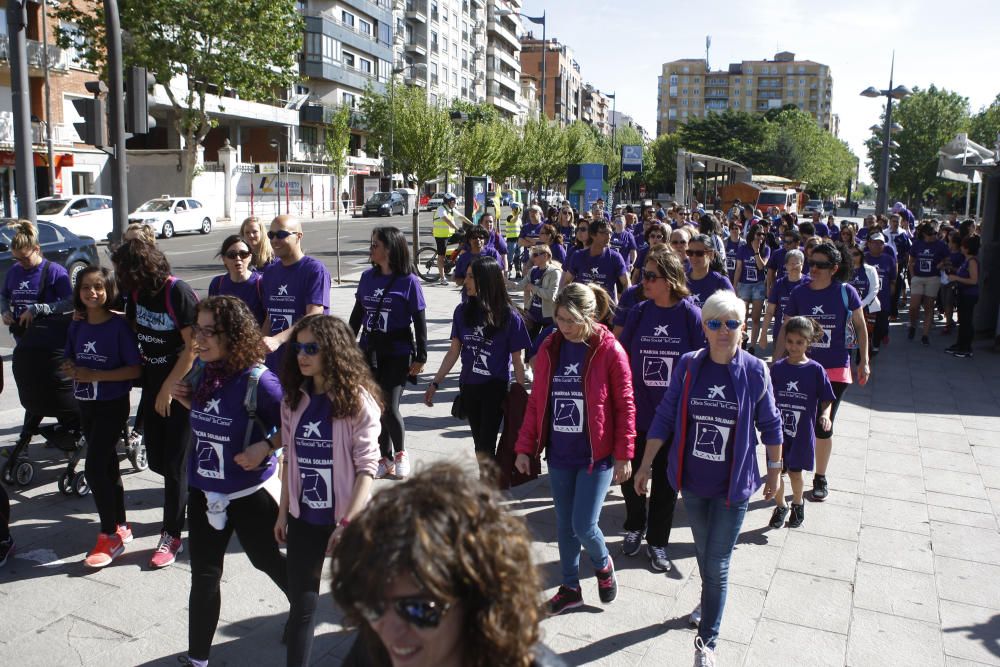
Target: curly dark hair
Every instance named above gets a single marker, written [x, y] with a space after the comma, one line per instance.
[234, 320]
[140, 266]
[452, 534]
[344, 366]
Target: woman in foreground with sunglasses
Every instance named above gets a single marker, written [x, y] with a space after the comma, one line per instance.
[828, 299]
[231, 467]
[454, 601]
[330, 425]
[240, 280]
[718, 398]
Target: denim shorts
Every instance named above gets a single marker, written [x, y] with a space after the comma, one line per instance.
[752, 291]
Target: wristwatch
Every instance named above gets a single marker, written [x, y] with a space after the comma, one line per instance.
[775, 465]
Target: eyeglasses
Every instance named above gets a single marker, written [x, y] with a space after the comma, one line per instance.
[715, 325]
[280, 234]
[203, 332]
[308, 349]
[539, 253]
[656, 236]
[652, 276]
[418, 612]
[694, 253]
[580, 229]
[820, 265]
[676, 242]
[237, 254]
[789, 241]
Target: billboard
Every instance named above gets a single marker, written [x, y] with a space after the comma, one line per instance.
[632, 158]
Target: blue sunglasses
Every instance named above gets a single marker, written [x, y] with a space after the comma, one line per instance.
[308, 349]
[715, 325]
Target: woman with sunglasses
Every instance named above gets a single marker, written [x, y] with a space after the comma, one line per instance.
[705, 277]
[829, 300]
[777, 296]
[718, 399]
[231, 469]
[733, 245]
[751, 263]
[656, 233]
[849, 236]
[473, 603]
[239, 280]
[658, 332]
[598, 263]
[255, 234]
[582, 413]
[389, 314]
[330, 423]
[679, 241]
[565, 223]
[580, 240]
[489, 336]
[476, 239]
[551, 237]
[540, 285]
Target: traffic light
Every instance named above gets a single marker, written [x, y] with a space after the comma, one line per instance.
[137, 84]
[94, 128]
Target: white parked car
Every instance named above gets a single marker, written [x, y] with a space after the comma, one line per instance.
[169, 215]
[84, 215]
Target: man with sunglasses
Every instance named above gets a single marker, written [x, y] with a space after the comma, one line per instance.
[790, 240]
[293, 287]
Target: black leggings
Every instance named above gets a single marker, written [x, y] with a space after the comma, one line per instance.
[966, 330]
[4, 514]
[483, 404]
[102, 423]
[662, 498]
[306, 558]
[391, 373]
[252, 518]
[881, 329]
[838, 392]
[168, 442]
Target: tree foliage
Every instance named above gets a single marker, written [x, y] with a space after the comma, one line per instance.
[984, 127]
[246, 47]
[661, 174]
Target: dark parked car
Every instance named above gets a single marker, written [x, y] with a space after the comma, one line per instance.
[58, 245]
[385, 203]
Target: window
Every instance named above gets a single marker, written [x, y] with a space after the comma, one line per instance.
[193, 203]
[309, 135]
[802, 82]
[366, 66]
[749, 70]
[181, 206]
[672, 113]
[364, 27]
[685, 69]
[684, 103]
[454, 78]
[802, 69]
[348, 100]
[737, 81]
[673, 79]
[697, 91]
[384, 33]
[684, 91]
[348, 59]
[347, 18]
[47, 234]
[765, 70]
[73, 32]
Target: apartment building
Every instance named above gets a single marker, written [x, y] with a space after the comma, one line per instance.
[620, 120]
[688, 89]
[503, 58]
[563, 83]
[595, 109]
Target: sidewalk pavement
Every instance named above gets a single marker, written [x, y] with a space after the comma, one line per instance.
[901, 566]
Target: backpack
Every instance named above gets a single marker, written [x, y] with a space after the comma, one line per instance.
[850, 335]
[166, 295]
[194, 377]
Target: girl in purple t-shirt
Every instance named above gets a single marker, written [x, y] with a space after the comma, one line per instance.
[102, 358]
[803, 395]
[751, 274]
[239, 280]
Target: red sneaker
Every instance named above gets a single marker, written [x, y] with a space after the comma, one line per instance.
[124, 531]
[109, 547]
[166, 551]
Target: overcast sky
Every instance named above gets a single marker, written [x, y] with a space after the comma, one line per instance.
[621, 46]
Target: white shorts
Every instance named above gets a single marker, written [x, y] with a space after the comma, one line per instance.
[925, 286]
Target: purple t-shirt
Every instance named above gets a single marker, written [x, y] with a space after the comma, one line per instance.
[798, 392]
[604, 269]
[535, 306]
[822, 230]
[287, 291]
[776, 263]
[22, 287]
[624, 243]
[708, 449]
[219, 426]
[963, 272]
[404, 299]
[558, 252]
[654, 339]
[530, 231]
[486, 357]
[751, 273]
[314, 457]
[630, 297]
[927, 256]
[780, 291]
[106, 347]
[248, 291]
[539, 339]
[702, 289]
[467, 258]
[826, 306]
[885, 265]
[732, 249]
[568, 444]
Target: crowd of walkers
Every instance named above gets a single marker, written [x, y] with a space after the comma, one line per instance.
[643, 337]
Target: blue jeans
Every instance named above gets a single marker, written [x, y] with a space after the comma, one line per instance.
[715, 526]
[578, 496]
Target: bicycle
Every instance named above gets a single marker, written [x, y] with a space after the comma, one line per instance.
[426, 264]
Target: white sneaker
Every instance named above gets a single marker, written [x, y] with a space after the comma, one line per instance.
[703, 656]
[695, 617]
[385, 467]
[402, 463]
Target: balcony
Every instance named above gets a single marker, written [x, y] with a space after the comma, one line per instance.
[59, 60]
[415, 47]
[320, 114]
[62, 135]
[414, 12]
[413, 77]
[318, 66]
[503, 56]
[328, 26]
[503, 29]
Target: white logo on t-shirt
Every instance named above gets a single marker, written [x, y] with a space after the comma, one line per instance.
[311, 429]
[90, 346]
[656, 371]
[315, 487]
[818, 310]
[793, 385]
[25, 284]
[717, 391]
[567, 415]
[661, 330]
[790, 421]
[210, 459]
[710, 441]
[572, 369]
[212, 405]
[283, 290]
[379, 292]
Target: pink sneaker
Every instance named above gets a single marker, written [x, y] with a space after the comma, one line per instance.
[166, 551]
[109, 547]
[402, 464]
[124, 531]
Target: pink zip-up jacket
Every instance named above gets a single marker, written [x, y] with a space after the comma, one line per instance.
[607, 396]
[355, 450]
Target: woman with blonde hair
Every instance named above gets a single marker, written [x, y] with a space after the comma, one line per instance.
[540, 285]
[255, 234]
[33, 286]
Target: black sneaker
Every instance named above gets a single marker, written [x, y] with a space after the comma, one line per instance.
[798, 515]
[6, 549]
[607, 582]
[951, 349]
[911, 332]
[962, 354]
[658, 559]
[925, 340]
[820, 488]
[778, 516]
[565, 598]
[633, 540]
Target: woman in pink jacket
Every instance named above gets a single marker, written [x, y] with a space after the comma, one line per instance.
[582, 411]
[330, 426]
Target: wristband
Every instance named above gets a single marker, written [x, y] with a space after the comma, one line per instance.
[775, 465]
[344, 522]
[435, 385]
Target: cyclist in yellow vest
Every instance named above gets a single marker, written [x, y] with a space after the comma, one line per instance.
[444, 227]
[512, 231]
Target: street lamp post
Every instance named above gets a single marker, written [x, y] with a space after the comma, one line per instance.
[888, 127]
[614, 143]
[48, 93]
[540, 20]
[276, 145]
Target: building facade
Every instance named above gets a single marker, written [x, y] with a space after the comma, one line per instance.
[595, 109]
[563, 85]
[688, 89]
[503, 58]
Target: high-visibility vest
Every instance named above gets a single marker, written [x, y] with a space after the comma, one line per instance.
[441, 229]
[513, 227]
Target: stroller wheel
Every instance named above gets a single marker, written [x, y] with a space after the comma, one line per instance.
[137, 455]
[80, 486]
[25, 473]
[66, 483]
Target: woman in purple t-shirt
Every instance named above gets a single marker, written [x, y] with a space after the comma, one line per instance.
[254, 233]
[927, 255]
[239, 280]
[751, 278]
[967, 279]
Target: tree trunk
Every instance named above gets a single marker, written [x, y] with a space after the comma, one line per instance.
[189, 162]
[337, 202]
[416, 226]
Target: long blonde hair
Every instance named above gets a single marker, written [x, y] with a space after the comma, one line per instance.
[262, 254]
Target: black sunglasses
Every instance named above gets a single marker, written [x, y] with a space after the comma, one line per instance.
[652, 276]
[237, 254]
[418, 612]
[280, 234]
[695, 253]
[820, 265]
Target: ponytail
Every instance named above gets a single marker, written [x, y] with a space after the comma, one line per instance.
[25, 235]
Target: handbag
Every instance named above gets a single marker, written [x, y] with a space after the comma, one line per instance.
[850, 335]
[458, 408]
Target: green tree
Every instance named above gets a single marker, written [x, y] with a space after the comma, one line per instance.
[247, 47]
[663, 174]
[734, 135]
[337, 139]
[984, 128]
[543, 154]
[477, 147]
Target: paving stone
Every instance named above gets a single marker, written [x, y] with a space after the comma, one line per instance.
[971, 632]
[981, 438]
[893, 442]
[948, 441]
[967, 581]
[990, 475]
[842, 466]
[945, 460]
[891, 485]
[989, 456]
[896, 514]
[822, 556]
[777, 643]
[753, 565]
[956, 483]
[828, 520]
[964, 503]
[907, 551]
[894, 591]
[900, 464]
[941, 426]
[974, 519]
[966, 542]
[885, 639]
[677, 648]
[806, 599]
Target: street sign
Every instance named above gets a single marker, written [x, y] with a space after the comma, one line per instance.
[632, 158]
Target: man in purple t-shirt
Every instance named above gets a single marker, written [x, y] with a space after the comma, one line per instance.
[293, 287]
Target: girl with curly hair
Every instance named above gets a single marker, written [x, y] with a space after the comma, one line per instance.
[255, 234]
[454, 601]
[232, 465]
[330, 423]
